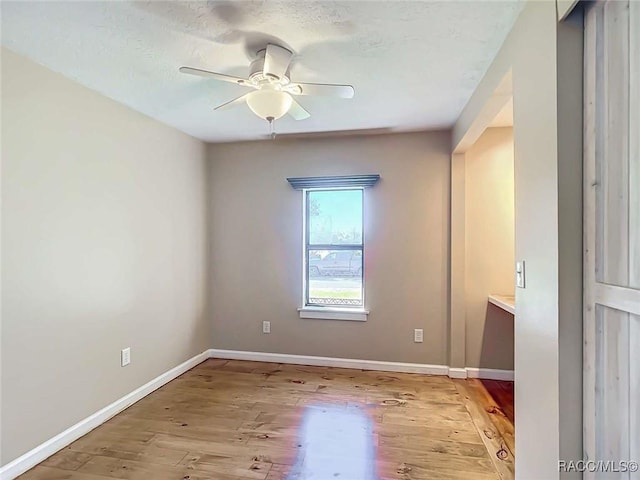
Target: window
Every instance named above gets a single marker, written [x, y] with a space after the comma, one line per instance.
[334, 247]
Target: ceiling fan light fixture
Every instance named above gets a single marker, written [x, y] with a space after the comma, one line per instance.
[269, 103]
[274, 94]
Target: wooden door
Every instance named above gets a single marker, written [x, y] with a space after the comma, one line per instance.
[612, 237]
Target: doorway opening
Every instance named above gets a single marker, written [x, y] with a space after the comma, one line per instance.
[483, 281]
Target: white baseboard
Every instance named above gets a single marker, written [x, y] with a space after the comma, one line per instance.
[490, 374]
[457, 372]
[468, 372]
[331, 362]
[43, 451]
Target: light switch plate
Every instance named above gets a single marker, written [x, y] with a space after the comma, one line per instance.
[520, 277]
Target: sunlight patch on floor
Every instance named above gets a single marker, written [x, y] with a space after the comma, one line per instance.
[335, 443]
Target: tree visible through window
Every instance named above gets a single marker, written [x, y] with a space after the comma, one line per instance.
[334, 247]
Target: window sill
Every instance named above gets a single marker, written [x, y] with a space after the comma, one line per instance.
[329, 313]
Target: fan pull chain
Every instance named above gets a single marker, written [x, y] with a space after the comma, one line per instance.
[272, 132]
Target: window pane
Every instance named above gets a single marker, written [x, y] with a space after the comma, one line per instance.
[335, 277]
[335, 217]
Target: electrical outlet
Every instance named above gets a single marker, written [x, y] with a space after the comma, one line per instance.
[266, 327]
[125, 357]
[418, 335]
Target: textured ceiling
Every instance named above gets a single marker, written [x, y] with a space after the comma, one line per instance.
[414, 65]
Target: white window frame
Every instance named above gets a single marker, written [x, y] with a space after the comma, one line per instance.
[312, 311]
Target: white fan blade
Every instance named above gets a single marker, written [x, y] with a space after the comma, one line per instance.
[297, 111]
[232, 103]
[321, 89]
[217, 76]
[276, 60]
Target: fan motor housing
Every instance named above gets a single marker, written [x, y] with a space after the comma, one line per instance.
[257, 75]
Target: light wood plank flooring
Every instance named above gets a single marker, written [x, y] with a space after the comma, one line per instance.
[497, 399]
[502, 395]
[234, 420]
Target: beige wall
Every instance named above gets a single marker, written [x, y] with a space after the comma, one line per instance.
[103, 247]
[545, 57]
[489, 243]
[256, 259]
[457, 298]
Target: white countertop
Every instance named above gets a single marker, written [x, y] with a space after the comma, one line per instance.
[506, 302]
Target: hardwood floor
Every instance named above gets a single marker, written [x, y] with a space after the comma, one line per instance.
[235, 420]
[496, 399]
[502, 394]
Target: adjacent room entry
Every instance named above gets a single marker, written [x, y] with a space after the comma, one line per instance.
[612, 235]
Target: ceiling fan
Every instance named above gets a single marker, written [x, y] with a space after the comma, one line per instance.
[274, 90]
